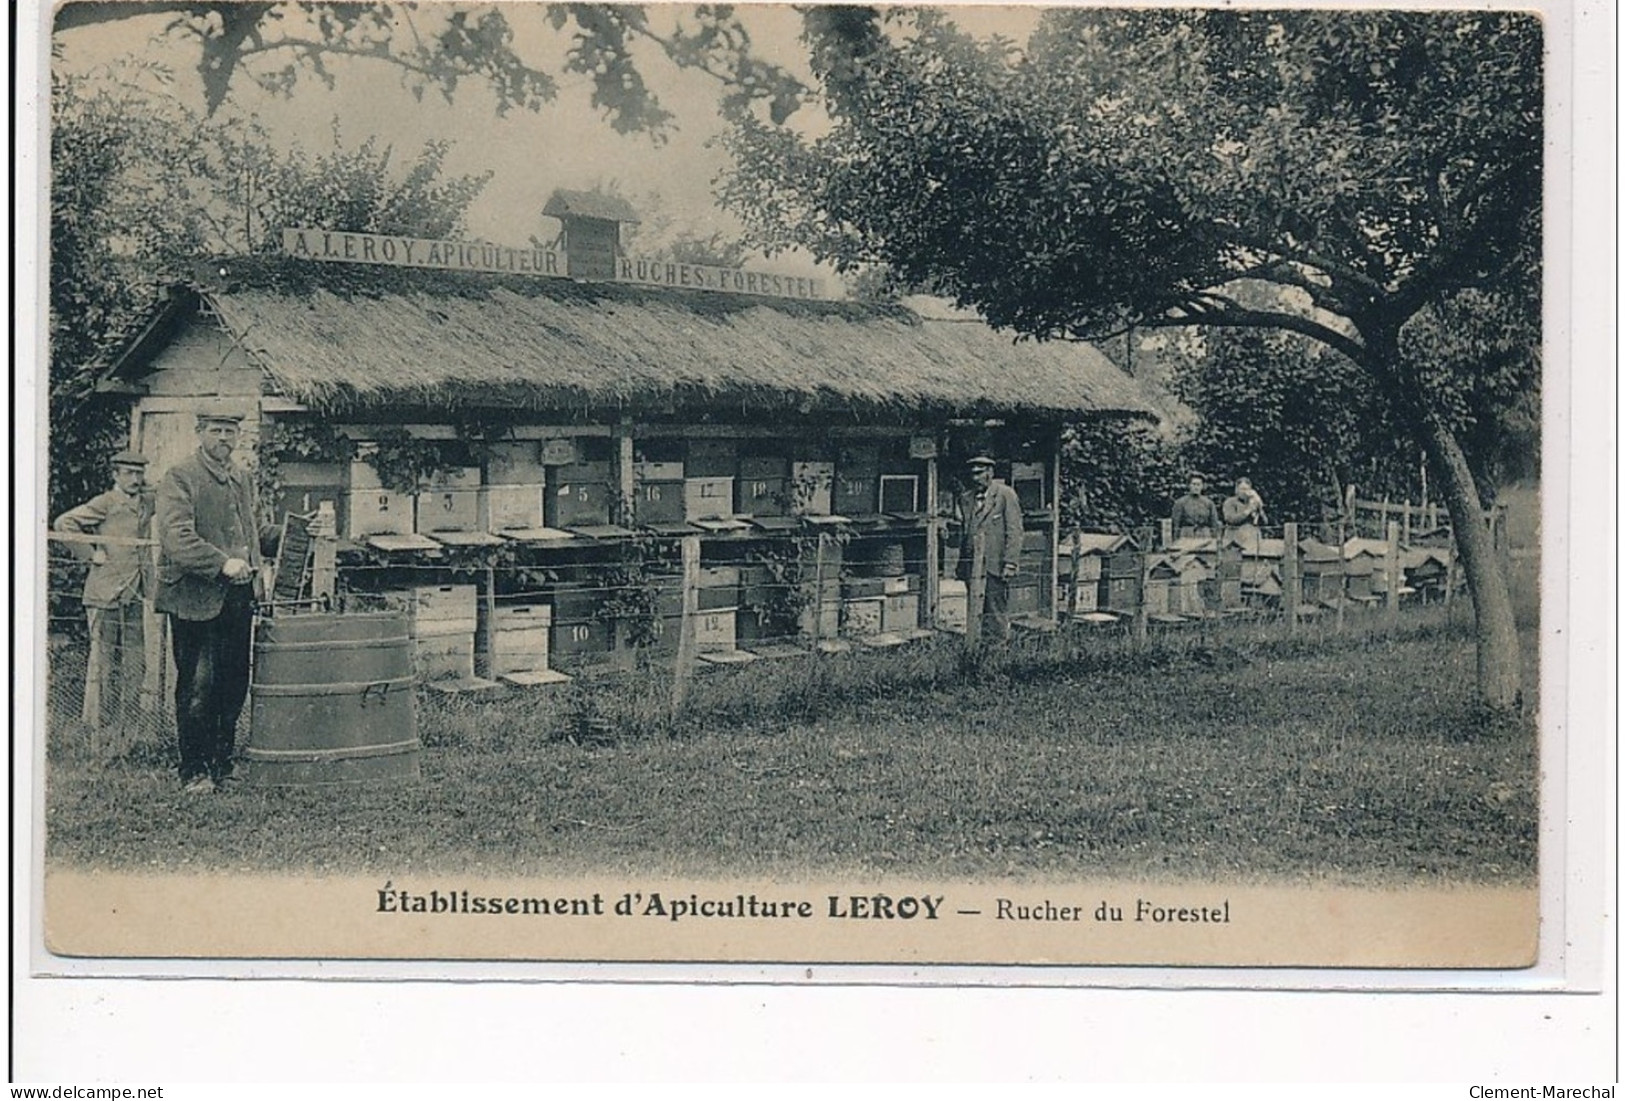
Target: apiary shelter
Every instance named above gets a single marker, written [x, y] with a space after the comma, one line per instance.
[557, 420]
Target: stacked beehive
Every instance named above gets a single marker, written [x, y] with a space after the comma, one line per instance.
[372, 509]
[717, 601]
[857, 480]
[302, 487]
[449, 501]
[516, 487]
[519, 638]
[708, 482]
[444, 622]
[763, 485]
[581, 491]
[579, 634]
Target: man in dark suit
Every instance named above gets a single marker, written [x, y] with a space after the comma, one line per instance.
[992, 519]
[210, 549]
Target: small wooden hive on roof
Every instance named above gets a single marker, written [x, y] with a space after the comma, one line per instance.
[592, 230]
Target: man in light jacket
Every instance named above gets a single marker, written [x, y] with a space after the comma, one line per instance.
[992, 518]
[210, 548]
[116, 589]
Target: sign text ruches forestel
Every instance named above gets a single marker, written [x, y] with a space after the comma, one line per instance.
[451, 255]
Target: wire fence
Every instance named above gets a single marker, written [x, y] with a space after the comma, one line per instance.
[647, 616]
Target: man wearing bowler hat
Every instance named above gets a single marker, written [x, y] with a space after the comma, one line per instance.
[116, 589]
[992, 520]
[210, 549]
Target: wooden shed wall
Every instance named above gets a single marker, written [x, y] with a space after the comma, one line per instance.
[200, 370]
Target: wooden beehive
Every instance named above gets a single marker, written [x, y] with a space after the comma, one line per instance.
[901, 612]
[863, 616]
[716, 629]
[519, 638]
[444, 621]
[708, 498]
[812, 488]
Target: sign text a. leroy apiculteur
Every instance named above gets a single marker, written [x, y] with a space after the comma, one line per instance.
[335, 246]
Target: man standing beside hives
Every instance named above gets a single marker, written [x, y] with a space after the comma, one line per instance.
[992, 519]
[210, 545]
[115, 589]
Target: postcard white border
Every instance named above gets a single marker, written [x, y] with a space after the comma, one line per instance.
[1577, 945]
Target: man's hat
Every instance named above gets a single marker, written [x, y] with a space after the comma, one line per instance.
[981, 458]
[219, 418]
[130, 458]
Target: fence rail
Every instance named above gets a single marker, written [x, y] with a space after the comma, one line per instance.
[688, 604]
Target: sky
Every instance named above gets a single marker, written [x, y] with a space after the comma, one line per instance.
[567, 144]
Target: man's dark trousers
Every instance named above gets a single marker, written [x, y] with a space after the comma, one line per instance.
[211, 683]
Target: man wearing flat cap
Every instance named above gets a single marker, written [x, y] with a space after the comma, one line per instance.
[210, 548]
[992, 520]
[114, 525]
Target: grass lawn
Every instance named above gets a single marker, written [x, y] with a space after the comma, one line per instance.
[1244, 755]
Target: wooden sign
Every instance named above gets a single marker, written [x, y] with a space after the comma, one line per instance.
[336, 246]
[414, 252]
[664, 273]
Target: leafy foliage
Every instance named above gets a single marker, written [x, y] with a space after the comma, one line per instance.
[141, 187]
[1299, 420]
[274, 45]
[1377, 171]
[1117, 475]
[122, 224]
[357, 189]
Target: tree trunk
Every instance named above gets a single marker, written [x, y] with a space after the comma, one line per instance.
[1499, 664]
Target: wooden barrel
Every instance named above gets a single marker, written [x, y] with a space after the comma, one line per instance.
[332, 700]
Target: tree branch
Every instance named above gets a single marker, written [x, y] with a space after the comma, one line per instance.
[89, 13]
[1334, 269]
[1220, 312]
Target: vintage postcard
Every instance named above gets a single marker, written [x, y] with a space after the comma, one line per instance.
[1047, 488]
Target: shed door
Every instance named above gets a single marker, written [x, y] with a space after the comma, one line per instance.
[165, 439]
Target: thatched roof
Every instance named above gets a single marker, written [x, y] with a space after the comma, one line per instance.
[342, 336]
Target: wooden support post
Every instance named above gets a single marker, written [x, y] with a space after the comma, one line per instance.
[818, 593]
[1291, 575]
[1077, 568]
[1142, 626]
[156, 687]
[625, 472]
[1405, 534]
[624, 657]
[1382, 515]
[486, 645]
[1342, 587]
[931, 584]
[1390, 565]
[1165, 532]
[683, 667]
[1055, 530]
